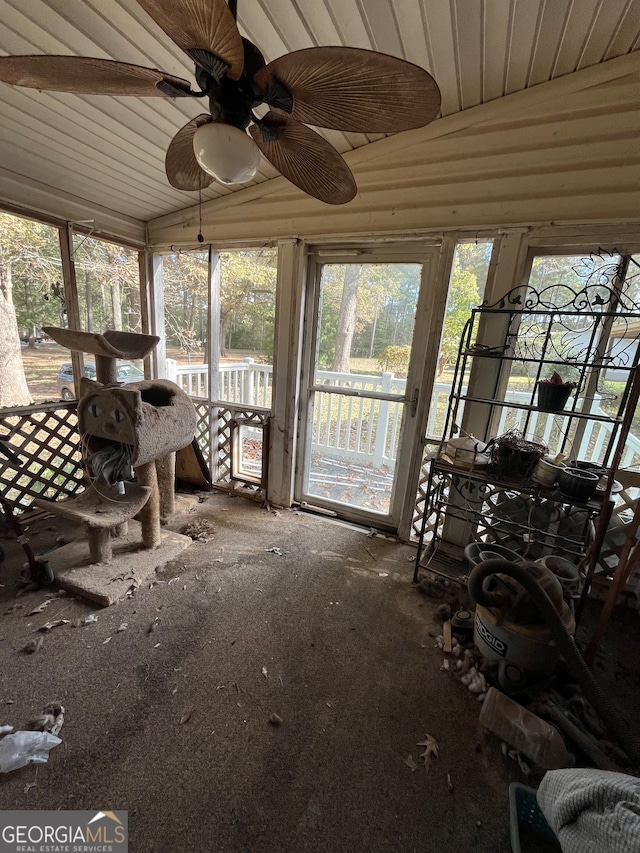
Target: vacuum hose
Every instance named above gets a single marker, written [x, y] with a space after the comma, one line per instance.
[566, 644]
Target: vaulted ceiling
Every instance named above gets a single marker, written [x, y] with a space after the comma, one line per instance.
[108, 152]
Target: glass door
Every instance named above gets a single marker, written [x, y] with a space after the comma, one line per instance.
[363, 362]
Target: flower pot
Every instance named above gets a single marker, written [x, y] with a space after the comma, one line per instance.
[553, 396]
[577, 485]
[546, 473]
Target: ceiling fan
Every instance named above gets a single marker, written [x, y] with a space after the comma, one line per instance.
[341, 88]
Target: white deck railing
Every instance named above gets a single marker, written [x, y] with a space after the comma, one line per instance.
[354, 428]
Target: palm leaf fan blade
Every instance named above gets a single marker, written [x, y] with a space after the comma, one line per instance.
[200, 25]
[305, 158]
[180, 163]
[86, 76]
[347, 88]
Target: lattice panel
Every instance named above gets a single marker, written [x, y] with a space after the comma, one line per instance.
[203, 429]
[430, 449]
[222, 476]
[44, 446]
[216, 444]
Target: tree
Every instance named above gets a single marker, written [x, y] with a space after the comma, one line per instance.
[396, 359]
[248, 299]
[346, 318]
[463, 294]
[13, 383]
[186, 295]
[29, 258]
[108, 285]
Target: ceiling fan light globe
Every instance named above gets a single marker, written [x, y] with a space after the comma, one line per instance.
[226, 152]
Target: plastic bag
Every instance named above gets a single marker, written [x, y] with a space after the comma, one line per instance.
[22, 748]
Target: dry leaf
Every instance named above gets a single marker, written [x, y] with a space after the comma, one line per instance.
[39, 608]
[431, 749]
[411, 764]
[449, 783]
[186, 716]
[48, 626]
[264, 671]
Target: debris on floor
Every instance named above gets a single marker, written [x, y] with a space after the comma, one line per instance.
[39, 608]
[443, 612]
[411, 763]
[33, 646]
[439, 588]
[275, 720]
[431, 750]
[49, 626]
[186, 716]
[22, 748]
[51, 719]
[88, 620]
[200, 530]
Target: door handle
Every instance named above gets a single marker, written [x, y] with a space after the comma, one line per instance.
[414, 402]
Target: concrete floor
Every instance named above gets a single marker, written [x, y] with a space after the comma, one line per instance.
[330, 635]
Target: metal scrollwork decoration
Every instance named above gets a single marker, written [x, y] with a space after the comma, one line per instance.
[562, 322]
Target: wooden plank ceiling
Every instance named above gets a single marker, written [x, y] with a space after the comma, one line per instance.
[109, 152]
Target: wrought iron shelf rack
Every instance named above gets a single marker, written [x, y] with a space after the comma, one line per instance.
[583, 331]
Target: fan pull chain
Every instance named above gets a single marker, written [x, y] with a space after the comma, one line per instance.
[200, 237]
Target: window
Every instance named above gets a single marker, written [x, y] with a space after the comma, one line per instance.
[31, 296]
[247, 317]
[466, 289]
[108, 283]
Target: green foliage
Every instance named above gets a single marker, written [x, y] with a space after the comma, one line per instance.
[463, 295]
[395, 359]
[385, 313]
[108, 285]
[30, 265]
[247, 300]
[106, 274]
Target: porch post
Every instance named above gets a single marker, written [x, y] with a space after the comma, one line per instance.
[213, 354]
[71, 305]
[156, 315]
[286, 372]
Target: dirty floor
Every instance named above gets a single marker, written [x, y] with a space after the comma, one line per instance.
[169, 718]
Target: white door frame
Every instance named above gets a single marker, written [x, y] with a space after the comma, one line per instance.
[429, 256]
